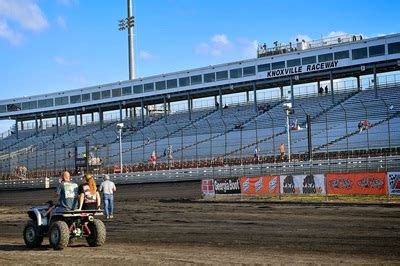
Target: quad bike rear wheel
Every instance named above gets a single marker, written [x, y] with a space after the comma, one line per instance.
[59, 235]
[32, 236]
[97, 235]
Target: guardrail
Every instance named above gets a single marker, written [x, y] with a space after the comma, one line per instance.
[377, 164]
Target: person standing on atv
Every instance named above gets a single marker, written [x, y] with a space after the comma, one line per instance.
[89, 197]
[67, 192]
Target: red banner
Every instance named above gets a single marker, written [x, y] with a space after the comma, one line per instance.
[259, 185]
[356, 183]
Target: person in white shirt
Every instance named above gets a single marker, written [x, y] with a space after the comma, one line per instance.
[108, 188]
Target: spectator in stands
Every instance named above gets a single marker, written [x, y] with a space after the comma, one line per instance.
[360, 126]
[89, 197]
[216, 105]
[366, 124]
[282, 150]
[108, 188]
[326, 89]
[225, 106]
[67, 192]
[169, 152]
[255, 154]
[320, 90]
[153, 158]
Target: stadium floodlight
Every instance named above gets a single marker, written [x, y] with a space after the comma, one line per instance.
[288, 109]
[128, 23]
[120, 126]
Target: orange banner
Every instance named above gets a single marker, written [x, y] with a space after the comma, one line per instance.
[259, 185]
[356, 183]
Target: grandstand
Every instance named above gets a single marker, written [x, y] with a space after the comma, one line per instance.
[218, 115]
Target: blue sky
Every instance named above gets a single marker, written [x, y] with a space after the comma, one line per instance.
[55, 45]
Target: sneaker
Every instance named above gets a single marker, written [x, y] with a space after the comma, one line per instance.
[111, 216]
[108, 217]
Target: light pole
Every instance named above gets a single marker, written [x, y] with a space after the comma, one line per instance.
[287, 107]
[120, 126]
[129, 23]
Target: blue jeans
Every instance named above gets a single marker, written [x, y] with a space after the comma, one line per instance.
[108, 204]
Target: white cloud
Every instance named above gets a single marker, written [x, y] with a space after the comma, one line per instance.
[218, 45]
[8, 34]
[220, 39]
[61, 22]
[25, 12]
[146, 55]
[25, 15]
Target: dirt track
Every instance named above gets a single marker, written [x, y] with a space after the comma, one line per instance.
[156, 224]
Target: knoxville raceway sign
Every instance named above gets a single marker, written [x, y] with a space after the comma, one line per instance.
[302, 69]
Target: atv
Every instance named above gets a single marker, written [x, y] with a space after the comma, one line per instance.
[63, 227]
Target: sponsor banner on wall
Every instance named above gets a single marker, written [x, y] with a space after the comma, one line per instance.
[302, 184]
[259, 185]
[207, 187]
[227, 186]
[356, 183]
[393, 180]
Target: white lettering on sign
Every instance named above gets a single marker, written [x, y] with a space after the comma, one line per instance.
[302, 69]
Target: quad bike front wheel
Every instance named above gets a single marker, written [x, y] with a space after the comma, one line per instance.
[59, 235]
[32, 236]
[97, 235]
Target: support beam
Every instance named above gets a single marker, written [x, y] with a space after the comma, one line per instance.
[358, 83]
[16, 130]
[255, 97]
[67, 120]
[189, 102]
[76, 121]
[281, 89]
[247, 96]
[142, 111]
[101, 117]
[291, 91]
[120, 112]
[57, 123]
[93, 117]
[331, 80]
[165, 110]
[81, 118]
[221, 108]
[375, 83]
[36, 125]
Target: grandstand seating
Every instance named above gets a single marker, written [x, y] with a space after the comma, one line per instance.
[216, 137]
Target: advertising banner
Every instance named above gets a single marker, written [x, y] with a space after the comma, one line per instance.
[356, 183]
[207, 187]
[259, 185]
[302, 184]
[393, 180]
[227, 186]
